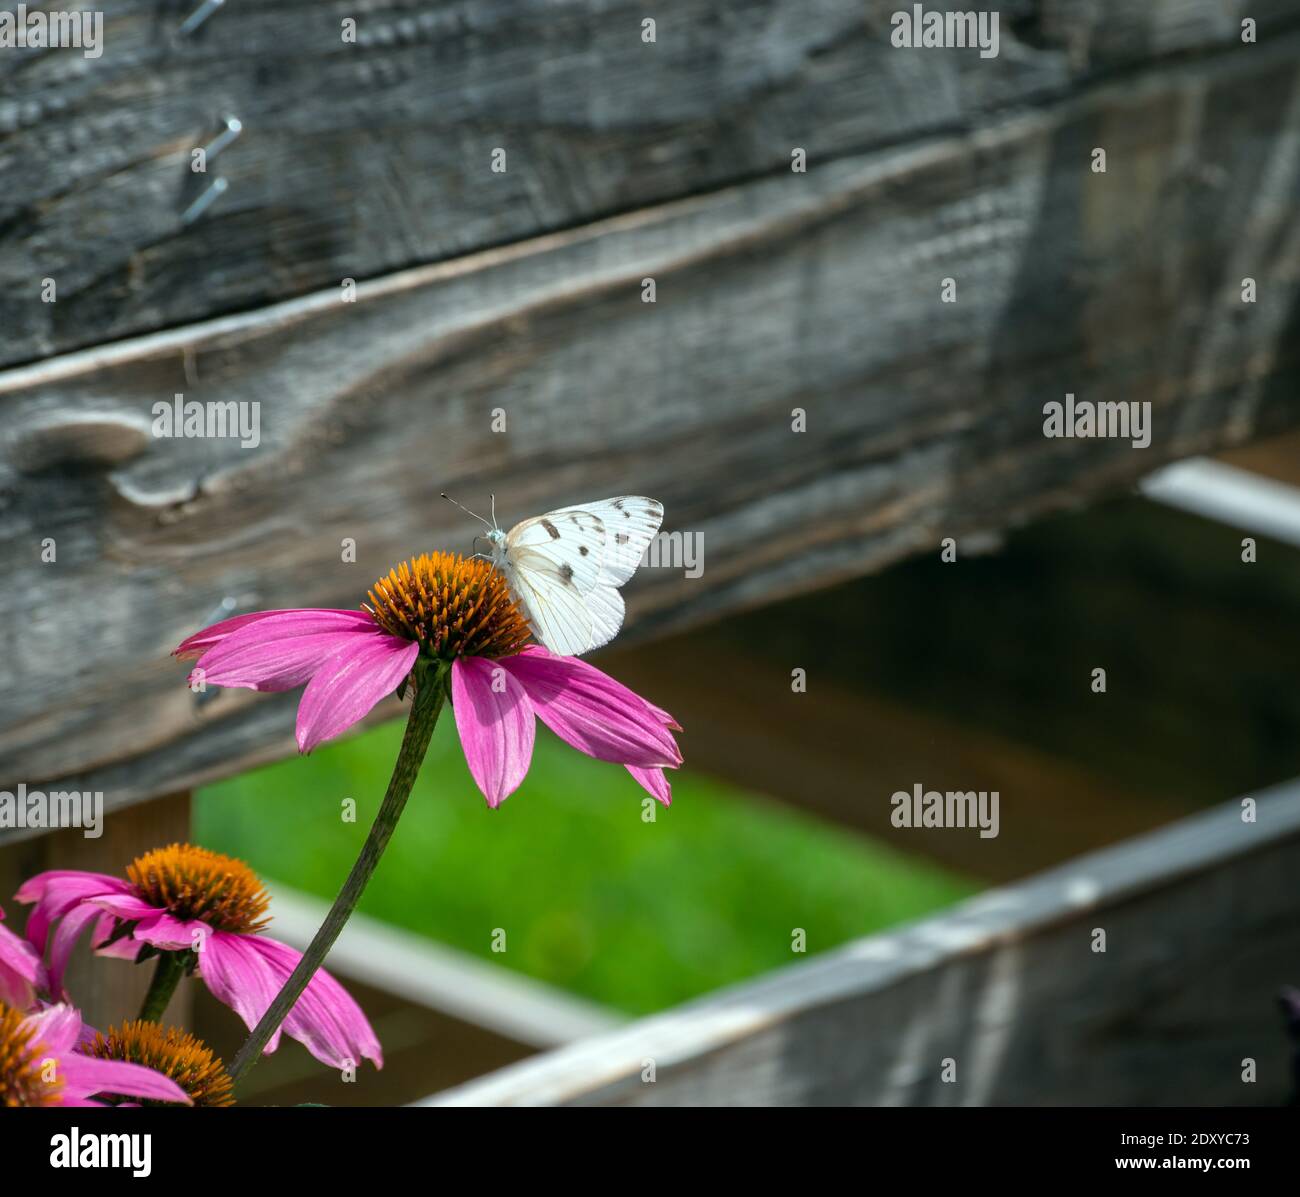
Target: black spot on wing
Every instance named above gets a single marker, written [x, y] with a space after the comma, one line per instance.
[566, 572]
[551, 528]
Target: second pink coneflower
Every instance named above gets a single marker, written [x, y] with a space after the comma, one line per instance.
[197, 910]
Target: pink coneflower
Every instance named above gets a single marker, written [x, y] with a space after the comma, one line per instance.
[40, 1065]
[445, 612]
[22, 974]
[438, 625]
[210, 910]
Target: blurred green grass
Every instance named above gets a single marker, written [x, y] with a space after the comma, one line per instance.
[635, 914]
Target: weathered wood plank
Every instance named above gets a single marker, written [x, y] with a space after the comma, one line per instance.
[359, 159]
[817, 291]
[1201, 934]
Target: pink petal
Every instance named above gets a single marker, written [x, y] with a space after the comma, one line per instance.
[84, 1076]
[283, 650]
[246, 972]
[125, 906]
[173, 934]
[21, 970]
[241, 979]
[349, 684]
[68, 882]
[57, 1028]
[201, 641]
[592, 712]
[122, 949]
[325, 1019]
[65, 939]
[56, 892]
[654, 783]
[496, 725]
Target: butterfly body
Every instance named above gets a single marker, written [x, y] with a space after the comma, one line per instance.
[565, 568]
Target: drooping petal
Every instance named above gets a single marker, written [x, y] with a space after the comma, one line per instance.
[57, 892]
[74, 883]
[245, 972]
[664, 717]
[65, 939]
[654, 783]
[202, 641]
[21, 970]
[282, 651]
[495, 720]
[349, 684]
[240, 978]
[592, 712]
[325, 1019]
[84, 1076]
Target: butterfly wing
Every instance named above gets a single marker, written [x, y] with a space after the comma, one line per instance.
[605, 606]
[630, 523]
[556, 611]
[552, 562]
[570, 543]
[565, 567]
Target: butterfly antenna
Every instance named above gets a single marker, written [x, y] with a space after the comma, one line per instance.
[466, 510]
[494, 511]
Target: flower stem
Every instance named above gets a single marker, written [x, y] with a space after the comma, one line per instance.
[166, 976]
[425, 708]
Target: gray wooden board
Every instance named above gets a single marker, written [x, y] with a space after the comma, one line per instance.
[819, 291]
[361, 159]
[1201, 933]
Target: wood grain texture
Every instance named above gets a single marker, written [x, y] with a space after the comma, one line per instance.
[361, 159]
[818, 291]
[1200, 937]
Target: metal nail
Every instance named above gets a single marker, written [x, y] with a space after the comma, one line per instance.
[233, 128]
[215, 191]
[198, 16]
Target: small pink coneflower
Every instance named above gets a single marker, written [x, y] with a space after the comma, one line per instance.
[41, 1065]
[209, 910]
[22, 973]
[453, 614]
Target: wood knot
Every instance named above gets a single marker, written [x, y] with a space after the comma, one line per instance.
[80, 440]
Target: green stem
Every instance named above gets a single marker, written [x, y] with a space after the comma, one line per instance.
[166, 976]
[425, 708]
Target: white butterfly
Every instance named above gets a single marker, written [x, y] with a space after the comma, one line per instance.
[565, 567]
